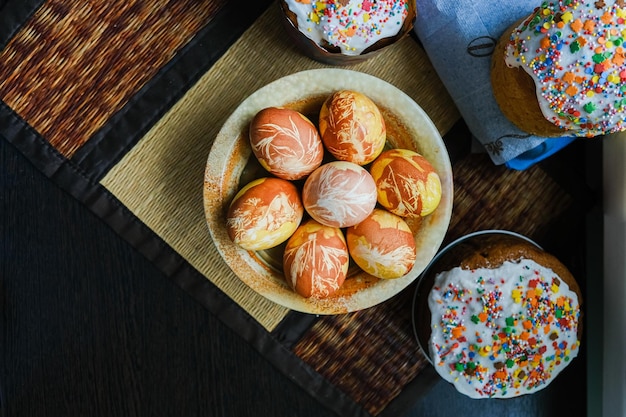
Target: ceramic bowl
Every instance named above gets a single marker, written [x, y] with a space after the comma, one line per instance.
[231, 165]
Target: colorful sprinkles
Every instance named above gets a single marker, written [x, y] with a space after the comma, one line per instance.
[497, 336]
[349, 25]
[574, 49]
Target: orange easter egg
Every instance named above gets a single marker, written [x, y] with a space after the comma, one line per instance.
[352, 127]
[382, 245]
[406, 183]
[339, 194]
[264, 214]
[285, 142]
[315, 261]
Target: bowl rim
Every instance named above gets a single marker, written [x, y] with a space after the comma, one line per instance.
[314, 83]
[439, 254]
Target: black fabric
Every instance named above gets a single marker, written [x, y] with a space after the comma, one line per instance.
[15, 130]
[412, 393]
[13, 14]
[291, 328]
[131, 123]
[80, 177]
[100, 201]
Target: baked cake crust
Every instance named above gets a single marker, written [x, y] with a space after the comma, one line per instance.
[505, 324]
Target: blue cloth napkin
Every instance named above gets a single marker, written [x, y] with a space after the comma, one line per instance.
[459, 37]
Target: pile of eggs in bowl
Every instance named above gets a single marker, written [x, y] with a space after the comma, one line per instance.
[333, 194]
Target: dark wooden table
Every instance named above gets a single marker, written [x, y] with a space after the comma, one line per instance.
[90, 327]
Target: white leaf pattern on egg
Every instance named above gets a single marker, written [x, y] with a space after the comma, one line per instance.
[349, 140]
[323, 270]
[399, 259]
[343, 196]
[301, 149]
[253, 216]
[406, 190]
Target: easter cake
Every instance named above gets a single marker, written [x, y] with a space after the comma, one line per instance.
[561, 71]
[498, 316]
[346, 31]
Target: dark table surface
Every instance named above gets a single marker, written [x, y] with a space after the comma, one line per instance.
[90, 327]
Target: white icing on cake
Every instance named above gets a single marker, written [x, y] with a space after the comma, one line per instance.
[573, 49]
[504, 332]
[351, 25]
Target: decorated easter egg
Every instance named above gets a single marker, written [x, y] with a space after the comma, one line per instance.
[382, 245]
[339, 194]
[315, 261]
[406, 183]
[352, 127]
[264, 213]
[285, 142]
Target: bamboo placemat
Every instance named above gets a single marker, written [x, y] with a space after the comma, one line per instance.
[74, 66]
[121, 110]
[351, 350]
[166, 162]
